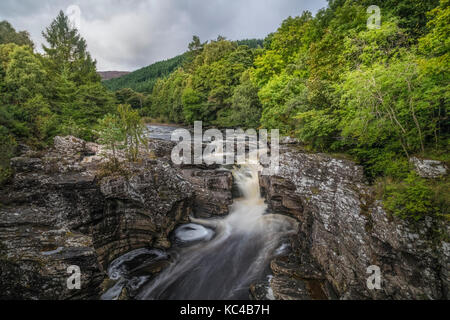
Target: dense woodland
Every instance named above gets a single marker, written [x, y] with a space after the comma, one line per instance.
[143, 80]
[378, 96]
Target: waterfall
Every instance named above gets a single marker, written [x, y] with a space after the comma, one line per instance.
[214, 259]
[239, 253]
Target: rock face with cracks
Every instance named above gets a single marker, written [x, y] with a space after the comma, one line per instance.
[60, 210]
[63, 209]
[344, 230]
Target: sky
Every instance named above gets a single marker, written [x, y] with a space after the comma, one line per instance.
[125, 35]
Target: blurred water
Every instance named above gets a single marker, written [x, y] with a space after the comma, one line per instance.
[224, 268]
[214, 259]
[160, 132]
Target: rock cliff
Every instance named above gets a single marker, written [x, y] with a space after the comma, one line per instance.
[344, 230]
[61, 210]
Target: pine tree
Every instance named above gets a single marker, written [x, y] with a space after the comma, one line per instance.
[67, 50]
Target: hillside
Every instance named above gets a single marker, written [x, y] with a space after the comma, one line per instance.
[108, 75]
[144, 79]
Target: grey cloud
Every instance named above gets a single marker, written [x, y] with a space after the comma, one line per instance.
[129, 34]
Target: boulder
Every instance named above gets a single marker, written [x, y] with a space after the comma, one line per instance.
[430, 169]
[212, 191]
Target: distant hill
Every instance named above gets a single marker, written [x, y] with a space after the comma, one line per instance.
[144, 79]
[108, 75]
[252, 43]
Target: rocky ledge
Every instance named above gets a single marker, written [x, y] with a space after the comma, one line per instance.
[343, 232]
[63, 208]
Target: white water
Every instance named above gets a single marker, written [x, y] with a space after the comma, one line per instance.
[244, 244]
[218, 258]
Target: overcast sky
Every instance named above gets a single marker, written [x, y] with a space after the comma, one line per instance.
[126, 35]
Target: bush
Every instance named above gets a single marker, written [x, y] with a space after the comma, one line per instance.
[411, 200]
[7, 148]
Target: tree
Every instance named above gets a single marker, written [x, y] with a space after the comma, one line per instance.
[436, 44]
[25, 76]
[92, 101]
[196, 46]
[389, 105]
[68, 50]
[128, 96]
[9, 35]
[133, 129]
[246, 108]
[143, 80]
[112, 135]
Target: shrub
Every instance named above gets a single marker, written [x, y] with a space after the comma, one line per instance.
[412, 199]
[7, 148]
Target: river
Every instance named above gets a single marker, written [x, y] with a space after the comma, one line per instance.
[213, 259]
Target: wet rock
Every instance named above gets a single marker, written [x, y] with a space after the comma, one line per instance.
[161, 148]
[345, 230]
[261, 291]
[60, 210]
[430, 169]
[287, 288]
[212, 189]
[141, 209]
[35, 255]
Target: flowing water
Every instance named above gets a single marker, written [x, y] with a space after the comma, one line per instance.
[215, 259]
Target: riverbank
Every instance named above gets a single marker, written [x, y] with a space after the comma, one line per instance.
[62, 210]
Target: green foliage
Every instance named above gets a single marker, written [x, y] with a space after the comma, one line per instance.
[91, 103]
[385, 105]
[436, 44]
[246, 108]
[24, 77]
[112, 135]
[45, 95]
[411, 199]
[124, 131]
[9, 35]
[7, 148]
[67, 51]
[133, 130]
[412, 14]
[166, 100]
[251, 43]
[128, 96]
[143, 80]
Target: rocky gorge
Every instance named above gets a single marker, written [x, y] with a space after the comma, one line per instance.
[63, 209]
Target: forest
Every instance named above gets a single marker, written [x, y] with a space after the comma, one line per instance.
[143, 80]
[44, 95]
[377, 96]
